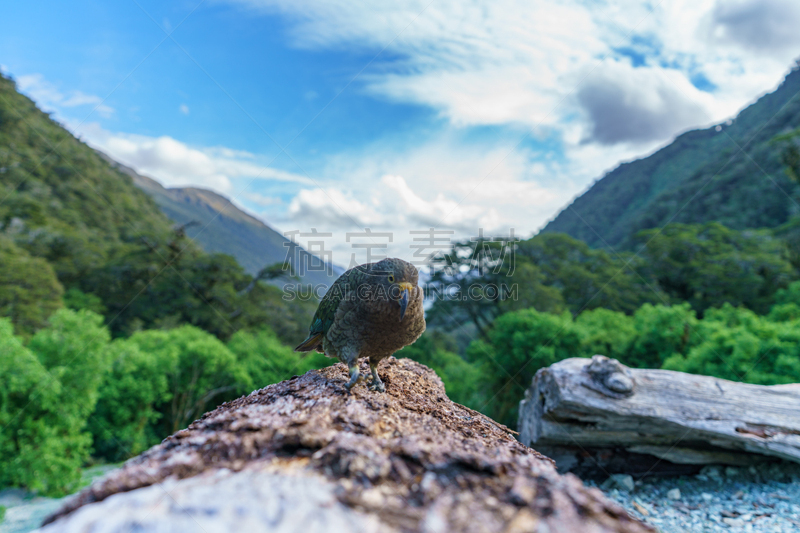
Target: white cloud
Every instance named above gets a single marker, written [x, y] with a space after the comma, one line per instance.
[604, 82]
[512, 61]
[764, 26]
[174, 163]
[640, 105]
[331, 208]
[184, 109]
[262, 200]
[50, 98]
[438, 184]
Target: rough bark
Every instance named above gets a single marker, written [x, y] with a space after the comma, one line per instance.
[601, 414]
[303, 455]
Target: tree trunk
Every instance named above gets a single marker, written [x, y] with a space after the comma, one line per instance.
[599, 414]
[304, 455]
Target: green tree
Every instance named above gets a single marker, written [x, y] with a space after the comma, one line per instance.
[75, 298]
[265, 360]
[587, 278]
[49, 390]
[742, 346]
[709, 265]
[29, 289]
[661, 331]
[548, 272]
[520, 343]
[125, 421]
[201, 373]
[607, 332]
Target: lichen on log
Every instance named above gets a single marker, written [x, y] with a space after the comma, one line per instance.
[305, 455]
[598, 412]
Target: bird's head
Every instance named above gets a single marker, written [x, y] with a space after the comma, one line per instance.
[399, 278]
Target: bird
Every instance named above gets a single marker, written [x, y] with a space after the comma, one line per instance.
[372, 310]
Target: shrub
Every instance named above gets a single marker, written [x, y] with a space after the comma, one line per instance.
[126, 417]
[49, 390]
[29, 289]
[742, 346]
[265, 360]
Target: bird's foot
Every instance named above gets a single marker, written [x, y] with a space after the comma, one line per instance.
[377, 385]
[355, 377]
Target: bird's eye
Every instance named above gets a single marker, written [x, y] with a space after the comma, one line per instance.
[391, 278]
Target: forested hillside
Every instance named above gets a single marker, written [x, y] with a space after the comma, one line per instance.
[61, 201]
[116, 329]
[734, 175]
[77, 231]
[220, 226]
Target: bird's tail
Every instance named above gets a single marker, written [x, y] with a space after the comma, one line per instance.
[310, 343]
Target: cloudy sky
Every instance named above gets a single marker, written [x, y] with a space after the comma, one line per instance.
[394, 116]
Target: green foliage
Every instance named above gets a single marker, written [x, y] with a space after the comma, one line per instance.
[790, 156]
[607, 332]
[742, 346]
[29, 290]
[729, 342]
[75, 298]
[474, 283]
[63, 202]
[200, 370]
[549, 273]
[49, 390]
[125, 421]
[71, 218]
[265, 360]
[520, 343]
[710, 265]
[660, 332]
[168, 283]
[161, 380]
[586, 278]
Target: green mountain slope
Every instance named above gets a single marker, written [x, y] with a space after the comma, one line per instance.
[59, 200]
[76, 230]
[224, 228]
[733, 176]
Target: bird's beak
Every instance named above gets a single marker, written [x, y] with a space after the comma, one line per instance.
[405, 287]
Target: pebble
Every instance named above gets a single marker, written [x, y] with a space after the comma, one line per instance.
[733, 522]
[760, 498]
[619, 481]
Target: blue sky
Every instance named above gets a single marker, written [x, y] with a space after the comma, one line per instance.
[347, 115]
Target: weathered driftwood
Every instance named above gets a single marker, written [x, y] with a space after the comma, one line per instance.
[303, 455]
[598, 412]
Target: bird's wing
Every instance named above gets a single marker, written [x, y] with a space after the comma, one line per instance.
[344, 286]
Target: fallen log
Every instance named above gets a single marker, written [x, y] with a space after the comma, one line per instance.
[599, 414]
[304, 455]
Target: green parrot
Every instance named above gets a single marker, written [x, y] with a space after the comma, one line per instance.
[371, 311]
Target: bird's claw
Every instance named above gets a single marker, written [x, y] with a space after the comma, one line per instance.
[377, 385]
[352, 383]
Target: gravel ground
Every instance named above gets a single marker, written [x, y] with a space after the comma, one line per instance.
[764, 498]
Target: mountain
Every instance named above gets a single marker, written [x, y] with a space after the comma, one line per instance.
[731, 173]
[77, 231]
[59, 200]
[222, 227]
